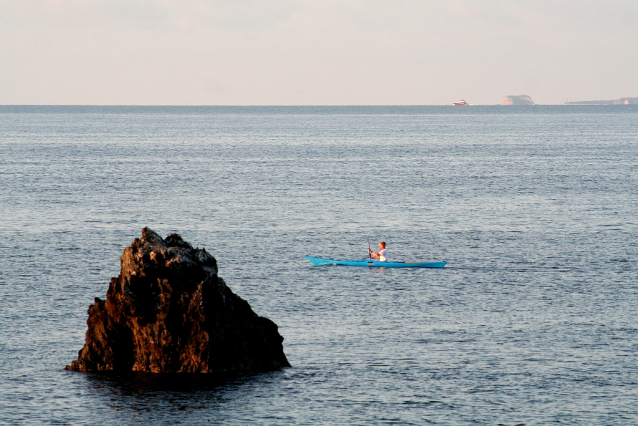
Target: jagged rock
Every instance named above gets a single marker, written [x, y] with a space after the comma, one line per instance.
[169, 312]
[518, 100]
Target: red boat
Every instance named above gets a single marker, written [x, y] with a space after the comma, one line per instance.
[461, 102]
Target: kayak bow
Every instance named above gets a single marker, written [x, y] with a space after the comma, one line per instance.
[372, 262]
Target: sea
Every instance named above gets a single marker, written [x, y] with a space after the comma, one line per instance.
[534, 320]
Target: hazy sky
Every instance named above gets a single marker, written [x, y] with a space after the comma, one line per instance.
[315, 52]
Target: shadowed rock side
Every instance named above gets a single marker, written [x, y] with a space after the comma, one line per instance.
[169, 312]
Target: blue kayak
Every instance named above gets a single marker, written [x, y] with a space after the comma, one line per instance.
[373, 262]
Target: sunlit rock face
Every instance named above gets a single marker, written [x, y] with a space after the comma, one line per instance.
[626, 101]
[518, 100]
[169, 312]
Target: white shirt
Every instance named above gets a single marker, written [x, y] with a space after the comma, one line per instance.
[383, 255]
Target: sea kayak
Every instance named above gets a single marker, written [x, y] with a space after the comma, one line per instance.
[377, 263]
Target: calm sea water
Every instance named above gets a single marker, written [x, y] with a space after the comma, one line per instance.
[534, 321]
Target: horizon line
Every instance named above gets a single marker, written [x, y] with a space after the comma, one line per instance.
[293, 105]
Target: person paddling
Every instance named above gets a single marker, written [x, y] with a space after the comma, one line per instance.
[383, 253]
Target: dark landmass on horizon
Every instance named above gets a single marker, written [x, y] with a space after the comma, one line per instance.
[621, 101]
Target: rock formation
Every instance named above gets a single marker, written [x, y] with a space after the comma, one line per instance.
[621, 101]
[518, 100]
[169, 312]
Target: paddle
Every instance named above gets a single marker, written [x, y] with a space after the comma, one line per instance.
[369, 254]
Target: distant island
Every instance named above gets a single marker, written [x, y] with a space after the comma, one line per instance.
[518, 100]
[621, 101]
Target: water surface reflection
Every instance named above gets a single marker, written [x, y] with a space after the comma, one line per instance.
[183, 398]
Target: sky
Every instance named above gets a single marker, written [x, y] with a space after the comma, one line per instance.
[315, 52]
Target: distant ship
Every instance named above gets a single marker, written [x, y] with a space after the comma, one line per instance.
[461, 102]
